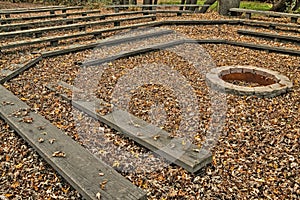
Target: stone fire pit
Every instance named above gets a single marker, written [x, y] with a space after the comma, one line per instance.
[248, 80]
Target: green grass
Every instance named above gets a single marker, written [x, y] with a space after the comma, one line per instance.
[244, 4]
[255, 5]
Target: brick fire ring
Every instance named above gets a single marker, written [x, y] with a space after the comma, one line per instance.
[270, 83]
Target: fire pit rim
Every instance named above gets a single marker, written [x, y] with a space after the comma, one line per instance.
[281, 84]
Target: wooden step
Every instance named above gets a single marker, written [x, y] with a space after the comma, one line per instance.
[54, 40]
[64, 15]
[194, 7]
[39, 31]
[34, 8]
[23, 67]
[30, 25]
[286, 38]
[7, 13]
[72, 161]
[75, 48]
[294, 17]
[177, 150]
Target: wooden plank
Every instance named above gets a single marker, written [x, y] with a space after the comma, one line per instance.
[153, 138]
[71, 26]
[64, 15]
[76, 48]
[86, 18]
[177, 12]
[286, 38]
[156, 6]
[4, 12]
[208, 41]
[126, 54]
[79, 167]
[95, 32]
[58, 38]
[147, 49]
[178, 42]
[265, 48]
[19, 26]
[293, 17]
[34, 8]
[29, 25]
[99, 32]
[268, 13]
[272, 25]
[21, 69]
[198, 22]
[105, 43]
[135, 52]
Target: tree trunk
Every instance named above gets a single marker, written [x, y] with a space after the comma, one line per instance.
[207, 2]
[182, 2]
[190, 2]
[186, 4]
[193, 2]
[225, 5]
[280, 6]
[285, 6]
[147, 2]
[297, 6]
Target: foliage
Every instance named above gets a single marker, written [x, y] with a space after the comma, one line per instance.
[255, 5]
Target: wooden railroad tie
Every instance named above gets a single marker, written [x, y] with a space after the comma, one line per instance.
[8, 13]
[271, 25]
[28, 25]
[176, 150]
[39, 31]
[55, 39]
[285, 38]
[193, 7]
[76, 164]
[64, 15]
[248, 12]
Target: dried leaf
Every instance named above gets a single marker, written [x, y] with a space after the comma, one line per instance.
[51, 141]
[101, 174]
[103, 184]
[98, 196]
[19, 166]
[156, 137]
[41, 140]
[59, 154]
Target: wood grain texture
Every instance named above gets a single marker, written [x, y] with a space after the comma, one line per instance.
[64, 15]
[21, 69]
[79, 167]
[248, 12]
[286, 38]
[70, 26]
[265, 48]
[176, 150]
[18, 26]
[100, 31]
[38, 10]
[105, 43]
